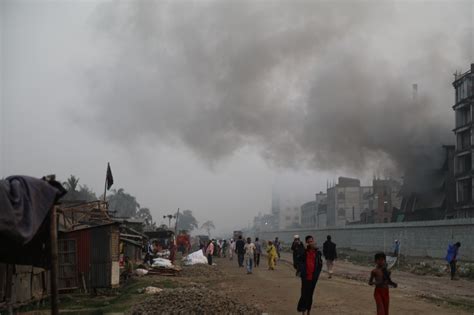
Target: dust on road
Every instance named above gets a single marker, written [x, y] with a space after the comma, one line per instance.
[277, 292]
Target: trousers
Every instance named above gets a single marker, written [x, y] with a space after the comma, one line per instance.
[240, 259]
[382, 300]
[306, 299]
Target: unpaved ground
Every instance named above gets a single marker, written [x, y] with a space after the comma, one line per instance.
[277, 292]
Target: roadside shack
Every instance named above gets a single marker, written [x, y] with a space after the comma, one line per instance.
[28, 257]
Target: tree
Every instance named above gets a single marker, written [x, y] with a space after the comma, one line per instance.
[123, 203]
[71, 183]
[144, 213]
[186, 221]
[208, 226]
[86, 194]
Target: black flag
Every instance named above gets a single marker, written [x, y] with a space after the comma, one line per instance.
[109, 179]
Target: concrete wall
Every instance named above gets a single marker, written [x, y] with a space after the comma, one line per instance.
[427, 238]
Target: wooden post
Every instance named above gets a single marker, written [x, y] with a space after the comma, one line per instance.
[54, 262]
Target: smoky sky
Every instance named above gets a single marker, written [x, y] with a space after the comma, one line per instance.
[323, 85]
[209, 105]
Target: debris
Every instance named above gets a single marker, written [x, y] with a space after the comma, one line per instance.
[152, 290]
[192, 301]
[195, 258]
[162, 262]
[141, 272]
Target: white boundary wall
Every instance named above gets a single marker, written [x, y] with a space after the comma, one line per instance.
[421, 238]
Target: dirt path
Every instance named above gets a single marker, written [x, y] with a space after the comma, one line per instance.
[277, 292]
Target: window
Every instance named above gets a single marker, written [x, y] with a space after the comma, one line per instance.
[464, 89]
[463, 140]
[464, 163]
[463, 116]
[464, 190]
[385, 220]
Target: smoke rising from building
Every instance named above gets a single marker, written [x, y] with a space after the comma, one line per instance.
[321, 85]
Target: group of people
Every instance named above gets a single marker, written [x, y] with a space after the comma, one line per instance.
[308, 264]
[215, 248]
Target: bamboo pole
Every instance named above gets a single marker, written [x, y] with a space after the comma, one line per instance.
[54, 262]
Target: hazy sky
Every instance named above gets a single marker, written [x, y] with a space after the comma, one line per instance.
[205, 105]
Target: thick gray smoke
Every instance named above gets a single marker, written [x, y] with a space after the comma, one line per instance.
[308, 84]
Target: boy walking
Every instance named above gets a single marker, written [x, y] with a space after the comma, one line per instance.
[380, 277]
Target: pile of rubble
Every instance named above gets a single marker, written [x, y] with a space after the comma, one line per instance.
[192, 301]
[201, 270]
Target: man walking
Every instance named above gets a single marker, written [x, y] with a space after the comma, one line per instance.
[311, 264]
[330, 254]
[231, 249]
[452, 258]
[210, 252]
[298, 249]
[258, 252]
[239, 249]
[249, 254]
[277, 245]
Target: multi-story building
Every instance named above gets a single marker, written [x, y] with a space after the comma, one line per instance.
[289, 215]
[344, 202]
[275, 209]
[385, 197]
[308, 214]
[322, 219]
[463, 160]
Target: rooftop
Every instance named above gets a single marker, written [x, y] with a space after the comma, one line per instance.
[460, 75]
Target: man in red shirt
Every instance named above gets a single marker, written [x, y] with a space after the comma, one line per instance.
[311, 265]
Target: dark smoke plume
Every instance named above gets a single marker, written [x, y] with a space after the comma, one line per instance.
[325, 85]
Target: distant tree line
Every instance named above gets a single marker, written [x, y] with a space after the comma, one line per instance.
[126, 205]
[122, 203]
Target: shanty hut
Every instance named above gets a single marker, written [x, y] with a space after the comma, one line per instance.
[26, 209]
[89, 257]
[132, 243]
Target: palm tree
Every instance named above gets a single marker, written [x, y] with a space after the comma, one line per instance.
[208, 226]
[71, 183]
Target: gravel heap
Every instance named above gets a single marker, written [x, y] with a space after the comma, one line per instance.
[192, 301]
[201, 270]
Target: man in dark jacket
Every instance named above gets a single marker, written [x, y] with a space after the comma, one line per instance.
[311, 265]
[298, 249]
[239, 249]
[330, 254]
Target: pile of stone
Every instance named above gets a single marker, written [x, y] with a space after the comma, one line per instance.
[201, 270]
[192, 301]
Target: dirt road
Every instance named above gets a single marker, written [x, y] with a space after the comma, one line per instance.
[277, 292]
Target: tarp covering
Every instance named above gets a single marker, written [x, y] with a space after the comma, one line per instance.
[25, 203]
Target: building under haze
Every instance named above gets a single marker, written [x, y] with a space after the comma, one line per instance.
[463, 161]
[309, 214]
[345, 201]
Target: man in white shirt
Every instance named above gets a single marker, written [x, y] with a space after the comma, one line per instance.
[249, 248]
